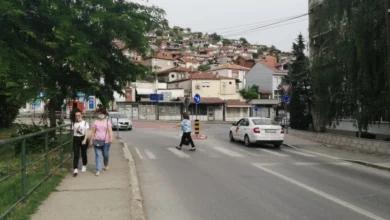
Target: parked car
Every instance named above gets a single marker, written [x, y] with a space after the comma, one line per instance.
[120, 121]
[257, 130]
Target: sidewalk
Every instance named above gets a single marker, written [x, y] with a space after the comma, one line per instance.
[377, 161]
[87, 197]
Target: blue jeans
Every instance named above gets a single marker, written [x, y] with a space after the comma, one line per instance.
[99, 153]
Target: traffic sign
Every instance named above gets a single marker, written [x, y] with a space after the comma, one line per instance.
[286, 87]
[256, 108]
[197, 98]
[156, 97]
[186, 101]
[286, 98]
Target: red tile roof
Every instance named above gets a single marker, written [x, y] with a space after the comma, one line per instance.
[189, 60]
[205, 100]
[208, 76]
[174, 69]
[235, 103]
[164, 55]
[230, 67]
[272, 67]
[202, 76]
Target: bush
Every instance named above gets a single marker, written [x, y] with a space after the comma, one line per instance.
[366, 135]
[34, 144]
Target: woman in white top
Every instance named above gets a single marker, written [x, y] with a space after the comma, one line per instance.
[80, 133]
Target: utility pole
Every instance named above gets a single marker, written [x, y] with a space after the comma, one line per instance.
[387, 5]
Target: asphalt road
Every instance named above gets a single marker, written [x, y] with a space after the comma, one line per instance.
[225, 180]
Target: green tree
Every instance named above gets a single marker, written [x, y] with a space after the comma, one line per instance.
[349, 67]
[299, 77]
[215, 37]
[159, 32]
[244, 41]
[250, 93]
[226, 42]
[73, 41]
[204, 67]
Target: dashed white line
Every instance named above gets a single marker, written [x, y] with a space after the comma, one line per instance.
[150, 155]
[179, 153]
[274, 153]
[250, 153]
[300, 153]
[267, 164]
[228, 152]
[139, 154]
[305, 164]
[322, 194]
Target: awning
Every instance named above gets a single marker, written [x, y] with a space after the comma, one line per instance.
[237, 105]
[144, 91]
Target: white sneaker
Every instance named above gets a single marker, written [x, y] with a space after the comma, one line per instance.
[97, 173]
[83, 169]
[75, 172]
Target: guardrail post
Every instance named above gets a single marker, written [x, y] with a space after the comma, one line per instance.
[24, 170]
[61, 149]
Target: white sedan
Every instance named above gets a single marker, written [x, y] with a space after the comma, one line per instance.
[257, 130]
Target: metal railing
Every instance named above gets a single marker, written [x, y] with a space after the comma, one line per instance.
[27, 161]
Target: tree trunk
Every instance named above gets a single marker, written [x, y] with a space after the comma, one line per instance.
[52, 112]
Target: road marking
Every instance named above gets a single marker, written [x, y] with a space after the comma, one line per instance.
[208, 153]
[228, 152]
[179, 153]
[322, 194]
[250, 153]
[341, 163]
[267, 164]
[150, 155]
[300, 153]
[274, 153]
[305, 164]
[320, 154]
[139, 154]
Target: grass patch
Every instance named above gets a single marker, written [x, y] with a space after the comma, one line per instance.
[25, 211]
[5, 133]
[10, 162]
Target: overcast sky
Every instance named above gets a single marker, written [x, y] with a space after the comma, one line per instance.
[211, 15]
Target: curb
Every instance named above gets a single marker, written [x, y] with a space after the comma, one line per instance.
[136, 202]
[364, 163]
[368, 164]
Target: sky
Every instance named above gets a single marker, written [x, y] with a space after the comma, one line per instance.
[247, 16]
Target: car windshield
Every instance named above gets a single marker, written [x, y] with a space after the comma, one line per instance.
[264, 122]
[115, 115]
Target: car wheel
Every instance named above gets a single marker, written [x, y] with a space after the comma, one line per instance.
[277, 145]
[247, 141]
[231, 136]
[130, 129]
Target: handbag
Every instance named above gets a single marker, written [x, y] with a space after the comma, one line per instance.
[186, 142]
[100, 143]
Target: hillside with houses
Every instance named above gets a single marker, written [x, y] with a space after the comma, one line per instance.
[184, 63]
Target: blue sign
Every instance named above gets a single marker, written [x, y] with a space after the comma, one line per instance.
[286, 98]
[256, 108]
[197, 98]
[156, 97]
[91, 103]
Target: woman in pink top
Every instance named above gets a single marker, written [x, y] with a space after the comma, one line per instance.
[102, 130]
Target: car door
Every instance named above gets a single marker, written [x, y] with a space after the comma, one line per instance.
[243, 128]
[235, 130]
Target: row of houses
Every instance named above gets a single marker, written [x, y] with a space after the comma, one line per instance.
[232, 68]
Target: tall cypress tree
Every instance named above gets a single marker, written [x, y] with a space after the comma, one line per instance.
[299, 77]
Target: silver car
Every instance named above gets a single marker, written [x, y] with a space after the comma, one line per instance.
[120, 121]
